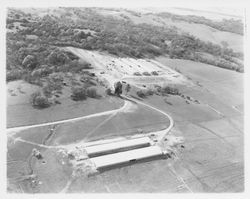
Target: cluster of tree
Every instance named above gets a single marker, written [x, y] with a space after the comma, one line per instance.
[81, 93]
[116, 36]
[78, 93]
[220, 62]
[168, 90]
[118, 88]
[32, 61]
[144, 93]
[38, 100]
[14, 75]
[54, 84]
[187, 46]
[229, 25]
[92, 92]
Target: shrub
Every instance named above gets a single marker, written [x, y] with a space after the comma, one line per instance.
[146, 73]
[118, 88]
[241, 70]
[137, 74]
[47, 91]
[145, 93]
[91, 82]
[78, 93]
[13, 75]
[30, 62]
[108, 91]
[57, 57]
[54, 84]
[149, 92]
[39, 101]
[42, 72]
[32, 79]
[91, 92]
[169, 90]
[71, 55]
[141, 94]
[77, 66]
[56, 77]
[177, 70]
[154, 73]
[127, 88]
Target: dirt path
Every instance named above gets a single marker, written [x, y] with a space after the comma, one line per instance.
[16, 129]
[127, 102]
[163, 132]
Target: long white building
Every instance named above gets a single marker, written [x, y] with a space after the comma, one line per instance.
[114, 147]
[126, 156]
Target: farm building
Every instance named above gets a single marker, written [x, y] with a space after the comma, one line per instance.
[114, 147]
[126, 157]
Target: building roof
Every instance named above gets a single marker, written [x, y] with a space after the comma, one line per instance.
[123, 157]
[117, 145]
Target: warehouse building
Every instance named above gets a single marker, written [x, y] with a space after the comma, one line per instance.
[115, 147]
[126, 157]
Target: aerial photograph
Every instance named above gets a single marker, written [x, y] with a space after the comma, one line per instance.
[124, 100]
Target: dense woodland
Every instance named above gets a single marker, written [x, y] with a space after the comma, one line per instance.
[228, 25]
[32, 42]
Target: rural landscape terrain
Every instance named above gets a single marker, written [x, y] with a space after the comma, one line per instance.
[117, 100]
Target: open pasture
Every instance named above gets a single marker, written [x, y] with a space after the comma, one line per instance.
[114, 125]
[25, 114]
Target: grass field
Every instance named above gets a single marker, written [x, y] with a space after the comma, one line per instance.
[25, 114]
[207, 110]
[211, 161]
[146, 177]
[123, 123]
[54, 173]
[214, 80]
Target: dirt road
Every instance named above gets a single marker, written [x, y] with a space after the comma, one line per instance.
[171, 121]
[20, 128]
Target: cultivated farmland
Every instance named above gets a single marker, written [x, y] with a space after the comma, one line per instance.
[81, 83]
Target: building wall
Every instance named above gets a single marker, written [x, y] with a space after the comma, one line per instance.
[117, 150]
[126, 157]
[115, 147]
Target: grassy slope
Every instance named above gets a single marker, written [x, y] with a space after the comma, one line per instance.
[92, 129]
[225, 85]
[20, 111]
[109, 126]
[25, 114]
[200, 31]
[212, 160]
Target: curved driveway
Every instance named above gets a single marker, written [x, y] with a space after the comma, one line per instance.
[20, 128]
[165, 131]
